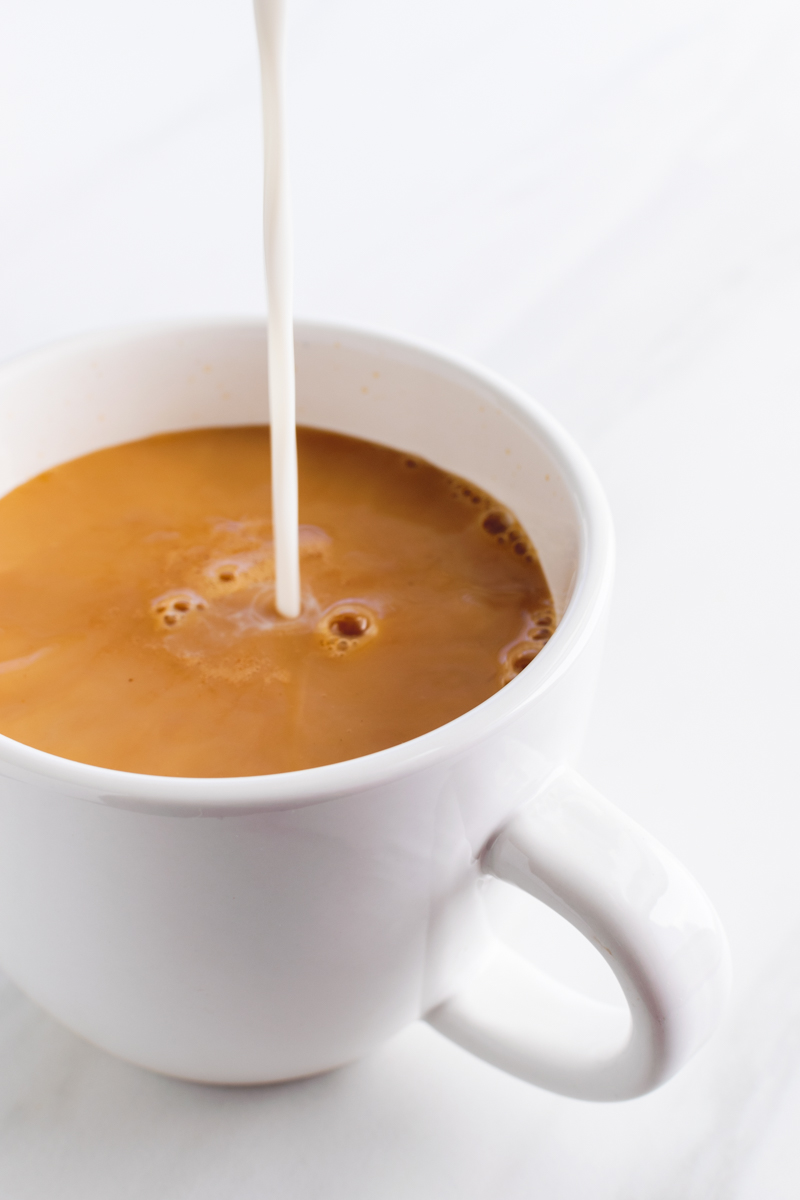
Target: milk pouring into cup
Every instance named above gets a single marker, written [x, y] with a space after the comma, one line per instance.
[264, 927]
[271, 27]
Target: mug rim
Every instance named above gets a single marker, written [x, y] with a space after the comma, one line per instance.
[196, 795]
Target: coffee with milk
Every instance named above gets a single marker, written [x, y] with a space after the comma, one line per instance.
[138, 626]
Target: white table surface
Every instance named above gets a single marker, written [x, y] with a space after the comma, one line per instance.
[601, 199]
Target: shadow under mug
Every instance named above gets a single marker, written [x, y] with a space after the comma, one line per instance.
[255, 929]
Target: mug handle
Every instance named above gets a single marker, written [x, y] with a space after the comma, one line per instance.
[645, 914]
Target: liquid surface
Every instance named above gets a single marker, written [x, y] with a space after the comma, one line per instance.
[137, 605]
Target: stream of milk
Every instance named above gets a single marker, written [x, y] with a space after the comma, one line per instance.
[271, 25]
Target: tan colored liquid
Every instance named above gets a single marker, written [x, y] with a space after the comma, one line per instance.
[137, 621]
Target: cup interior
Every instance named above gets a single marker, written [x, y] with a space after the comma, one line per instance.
[86, 395]
[103, 390]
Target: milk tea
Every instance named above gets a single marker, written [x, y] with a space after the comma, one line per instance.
[138, 627]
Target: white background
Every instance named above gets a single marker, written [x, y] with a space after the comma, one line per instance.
[600, 199]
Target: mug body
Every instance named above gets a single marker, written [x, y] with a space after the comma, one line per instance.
[253, 929]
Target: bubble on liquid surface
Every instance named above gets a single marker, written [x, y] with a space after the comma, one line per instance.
[350, 624]
[496, 523]
[521, 653]
[347, 626]
[172, 608]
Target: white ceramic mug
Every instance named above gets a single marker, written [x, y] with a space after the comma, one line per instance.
[253, 929]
